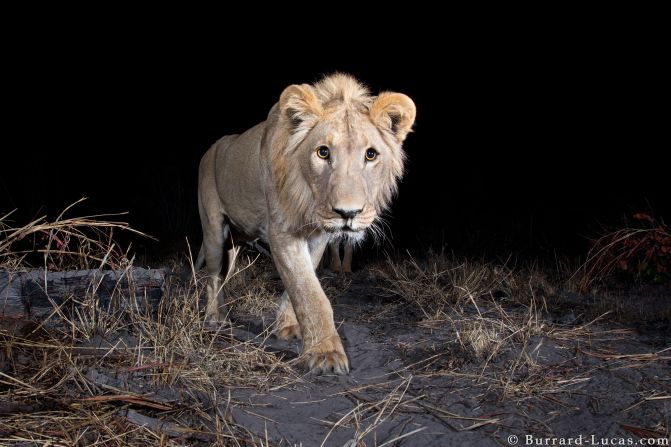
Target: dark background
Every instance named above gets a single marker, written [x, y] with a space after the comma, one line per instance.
[524, 145]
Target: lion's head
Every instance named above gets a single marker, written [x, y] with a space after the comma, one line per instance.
[336, 154]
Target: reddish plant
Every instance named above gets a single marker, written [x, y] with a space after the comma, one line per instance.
[641, 252]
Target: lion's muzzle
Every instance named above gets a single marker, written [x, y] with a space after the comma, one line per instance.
[347, 214]
[351, 221]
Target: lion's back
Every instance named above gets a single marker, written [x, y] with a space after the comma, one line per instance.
[232, 169]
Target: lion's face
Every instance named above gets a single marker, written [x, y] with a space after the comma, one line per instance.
[338, 155]
[346, 163]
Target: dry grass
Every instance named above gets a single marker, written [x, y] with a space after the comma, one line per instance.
[253, 286]
[134, 375]
[469, 296]
[441, 282]
[493, 315]
[130, 375]
[64, 243]
[369, 414]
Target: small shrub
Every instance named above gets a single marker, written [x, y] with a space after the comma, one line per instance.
[64, 243]
[641, 253]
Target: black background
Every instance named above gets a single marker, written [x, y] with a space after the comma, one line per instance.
[523, 143]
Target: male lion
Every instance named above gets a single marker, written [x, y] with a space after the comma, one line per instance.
[322, 167]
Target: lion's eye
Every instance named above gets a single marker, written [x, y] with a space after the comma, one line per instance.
[323, 152]
[371, 154]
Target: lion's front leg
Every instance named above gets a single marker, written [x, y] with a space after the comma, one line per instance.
[295, 259]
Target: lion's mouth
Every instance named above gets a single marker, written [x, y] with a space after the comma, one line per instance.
[351, 226]
[343, 228]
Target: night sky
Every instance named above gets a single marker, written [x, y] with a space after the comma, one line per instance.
[517, 148]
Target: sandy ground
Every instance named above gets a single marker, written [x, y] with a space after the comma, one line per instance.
[415, 382]
[414, 379]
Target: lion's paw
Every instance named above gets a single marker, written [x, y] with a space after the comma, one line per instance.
[327, 357]
[288, 332]
[215, 317]
[214, 322]
[328, 362]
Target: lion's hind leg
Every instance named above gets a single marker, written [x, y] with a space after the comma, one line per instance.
[213, 248]
[347, 258]
[286, 326]
[335, 264]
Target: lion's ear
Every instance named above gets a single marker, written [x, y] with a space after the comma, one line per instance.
[395, 112]
[299, 104]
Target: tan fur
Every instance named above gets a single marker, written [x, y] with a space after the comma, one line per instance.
[338, 264]
[269, 183]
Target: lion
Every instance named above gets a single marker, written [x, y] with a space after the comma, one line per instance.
[321, 168]
[338, 264]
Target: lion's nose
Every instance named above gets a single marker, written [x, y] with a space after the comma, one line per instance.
[347, 213]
